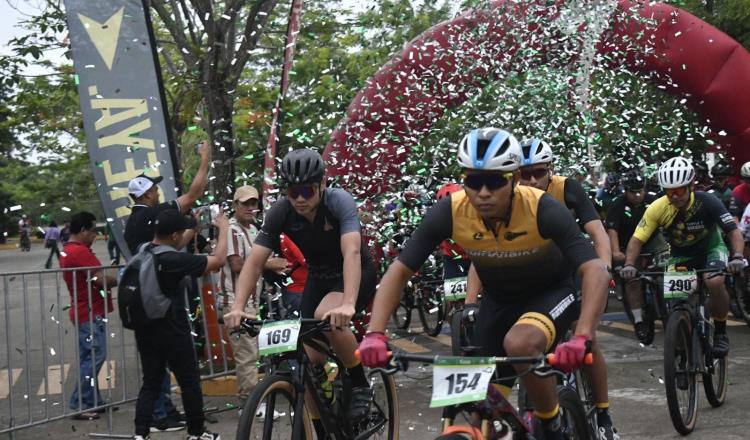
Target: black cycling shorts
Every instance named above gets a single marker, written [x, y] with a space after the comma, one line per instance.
[455, 268]
[552, 311]
[316, 288]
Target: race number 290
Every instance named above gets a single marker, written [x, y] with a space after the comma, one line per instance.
[278, 337]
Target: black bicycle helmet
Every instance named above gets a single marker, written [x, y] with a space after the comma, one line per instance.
[302, 166]
[613, 179]
[721, 169]
[633, 180]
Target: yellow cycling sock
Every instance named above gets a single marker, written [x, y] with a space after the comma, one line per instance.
[602, 405]
[548, 415]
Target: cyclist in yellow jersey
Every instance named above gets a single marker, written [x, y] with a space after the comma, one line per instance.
[525, 247]
[691, 221]
[536, 171]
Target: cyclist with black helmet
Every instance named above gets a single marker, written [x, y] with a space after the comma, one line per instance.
[525, 247]
[536, 171]
[607, 194]
[691, 221]
[324, 224]
[702, 180]
[720, 186]
[621, 221]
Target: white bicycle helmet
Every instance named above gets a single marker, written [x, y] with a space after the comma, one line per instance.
[745, 170]
[489, 149]
[675, 173]
[536, 151]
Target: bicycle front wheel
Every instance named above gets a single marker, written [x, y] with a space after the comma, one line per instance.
[572, 414]
[269, 412]
[384, 416]
[680, 381]
[402, 314]
[431, 310]
[715, 377]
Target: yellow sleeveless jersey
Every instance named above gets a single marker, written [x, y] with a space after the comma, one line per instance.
[538, 247]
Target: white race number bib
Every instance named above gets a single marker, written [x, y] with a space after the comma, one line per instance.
[455, 289]
[457, 381]
[278, 337]
[679, 285]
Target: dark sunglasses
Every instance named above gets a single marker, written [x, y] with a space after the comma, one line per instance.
[537, 174]
[306, 191]
[676, 192]
[491, 181]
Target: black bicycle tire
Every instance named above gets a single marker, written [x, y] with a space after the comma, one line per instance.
[393, 411]
[571, 407]
[264, 387]
[678, 326]
[741, 299]
[407, 317]
[716, 393]
[423, 311]
[457, 332]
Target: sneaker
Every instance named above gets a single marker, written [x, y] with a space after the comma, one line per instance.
[721, 345]
[176, 415]
[359, 408]
[608, 433]
[167, 424]
[261, 413]
[140, 437]
[642, 333]
[207, 435]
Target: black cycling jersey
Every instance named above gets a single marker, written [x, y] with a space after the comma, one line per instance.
[538, 247]
[319, 241]
[623, 218]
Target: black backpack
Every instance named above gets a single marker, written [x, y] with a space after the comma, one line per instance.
[139, 296]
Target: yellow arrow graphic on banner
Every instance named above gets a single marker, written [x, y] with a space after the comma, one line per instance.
[104, 35]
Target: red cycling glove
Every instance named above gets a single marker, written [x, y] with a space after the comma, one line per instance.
[570, 354]
[373, 350]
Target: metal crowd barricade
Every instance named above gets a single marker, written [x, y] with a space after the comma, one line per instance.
[39, 354]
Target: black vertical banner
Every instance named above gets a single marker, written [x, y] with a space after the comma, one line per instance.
[122, 101]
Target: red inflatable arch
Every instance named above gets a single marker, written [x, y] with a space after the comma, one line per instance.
[437, 71]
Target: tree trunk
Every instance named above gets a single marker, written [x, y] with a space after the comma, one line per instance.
[220, 111]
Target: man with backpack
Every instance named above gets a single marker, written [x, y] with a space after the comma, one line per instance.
[167, 341]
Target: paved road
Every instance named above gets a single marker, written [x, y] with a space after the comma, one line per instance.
[637, 395]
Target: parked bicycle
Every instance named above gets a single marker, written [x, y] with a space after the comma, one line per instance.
[688, 348]
[280, 400]
[424, 292]
[456, 379]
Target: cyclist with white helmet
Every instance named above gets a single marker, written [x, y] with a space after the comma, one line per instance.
[691, 221]
[536, 171]
[741, 193]
[525, 247]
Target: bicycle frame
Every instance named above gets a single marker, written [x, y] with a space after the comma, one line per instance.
[495, 406]
[336, 425]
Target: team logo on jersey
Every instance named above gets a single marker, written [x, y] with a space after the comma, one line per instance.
[510, 235]
[478, 236]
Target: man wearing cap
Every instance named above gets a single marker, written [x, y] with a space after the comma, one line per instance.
[168, 341]
[242, 232]
[143, 189]
[140, 228]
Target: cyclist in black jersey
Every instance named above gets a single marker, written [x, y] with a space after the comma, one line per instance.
[324, 224]
[536, 171]
[720, 186]
[525, 247]
[691, 221]
[622, 218]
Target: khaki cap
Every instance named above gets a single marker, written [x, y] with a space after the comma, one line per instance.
[245, 193]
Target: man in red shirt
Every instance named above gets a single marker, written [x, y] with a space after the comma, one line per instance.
[291, 292]
[88, 290]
